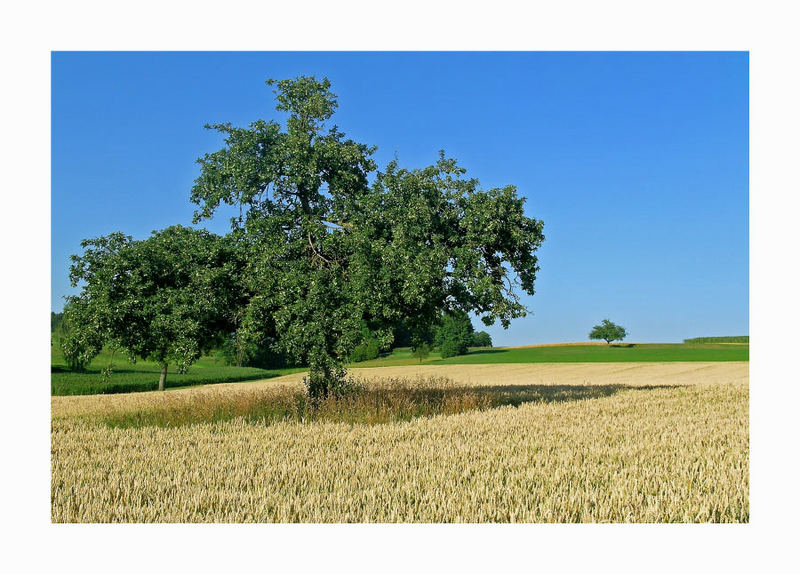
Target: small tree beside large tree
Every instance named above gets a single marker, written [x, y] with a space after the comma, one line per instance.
[168, 298]
[453, 334]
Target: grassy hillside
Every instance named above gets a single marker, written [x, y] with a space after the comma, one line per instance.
[589, 353]
[737, 339]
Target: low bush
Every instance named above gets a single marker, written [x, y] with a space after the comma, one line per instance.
[366, 351]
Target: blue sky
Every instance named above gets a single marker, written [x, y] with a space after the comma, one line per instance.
[636, 162]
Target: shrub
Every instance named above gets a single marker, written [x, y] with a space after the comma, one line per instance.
[366, 351]
[421, 350]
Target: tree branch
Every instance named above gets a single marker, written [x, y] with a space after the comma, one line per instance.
[317, 253]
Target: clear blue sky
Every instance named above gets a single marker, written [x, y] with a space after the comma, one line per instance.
[636, 162]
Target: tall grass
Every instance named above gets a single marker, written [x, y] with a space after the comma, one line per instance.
[382, 401]
[633, 455]
[385, 400]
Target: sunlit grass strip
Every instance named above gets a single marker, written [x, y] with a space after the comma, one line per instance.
[577, 353]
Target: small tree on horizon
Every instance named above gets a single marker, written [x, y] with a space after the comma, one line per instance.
[608, 332]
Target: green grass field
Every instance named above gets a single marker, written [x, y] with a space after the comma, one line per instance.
[737, 339]
[128, 377]
[623, 353]
[143, 375]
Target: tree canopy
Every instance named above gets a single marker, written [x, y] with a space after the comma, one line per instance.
[608, 332]
[481, 339]
[329, 252]
[168, 298]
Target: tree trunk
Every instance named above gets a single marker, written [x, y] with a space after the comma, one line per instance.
[239, 354]
[162, 380]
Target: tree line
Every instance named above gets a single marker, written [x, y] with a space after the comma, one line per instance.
[327, 255]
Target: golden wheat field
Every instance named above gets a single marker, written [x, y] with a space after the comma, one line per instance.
[602, 442]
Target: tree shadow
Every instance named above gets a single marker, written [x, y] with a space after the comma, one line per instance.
[486, 352]
[516, 395]
[114, 371]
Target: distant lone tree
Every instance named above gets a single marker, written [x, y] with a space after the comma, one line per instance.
[608, 332]
[334, 245]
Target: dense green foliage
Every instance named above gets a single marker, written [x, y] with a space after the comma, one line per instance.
[460, 334]
[608, 332]
[365, 351]
[168, 298]
[79, 335]
[369, 348]
[734, 339]
[453, 334]
[55, 321]
[481, 339]
[328, 252]
[248, 353]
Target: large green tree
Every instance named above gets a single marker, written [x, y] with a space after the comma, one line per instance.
[608, 331]
[167, 298]
[330, 252]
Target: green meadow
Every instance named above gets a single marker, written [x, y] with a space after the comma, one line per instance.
[737, 339]
[129, 377]
[623, 353]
